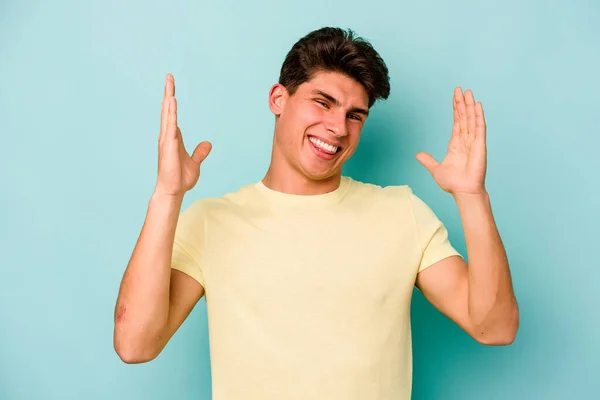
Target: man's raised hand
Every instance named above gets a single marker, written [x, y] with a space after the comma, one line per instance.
[177, 171]
[463, 169]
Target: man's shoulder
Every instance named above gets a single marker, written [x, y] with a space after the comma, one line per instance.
[236, 198]
[375, 192]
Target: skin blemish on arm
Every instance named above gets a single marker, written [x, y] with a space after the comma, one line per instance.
[120, 314]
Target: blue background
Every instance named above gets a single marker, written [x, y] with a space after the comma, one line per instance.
[80, 91]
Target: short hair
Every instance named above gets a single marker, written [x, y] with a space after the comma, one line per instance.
[336, 50]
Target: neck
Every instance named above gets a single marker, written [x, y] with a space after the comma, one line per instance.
[293, 182]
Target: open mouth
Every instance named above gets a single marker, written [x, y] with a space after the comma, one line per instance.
[323, 147]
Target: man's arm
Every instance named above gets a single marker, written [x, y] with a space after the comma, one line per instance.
[154, 299]
[479, 297]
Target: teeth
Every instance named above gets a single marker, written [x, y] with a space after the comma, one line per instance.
[322, 145]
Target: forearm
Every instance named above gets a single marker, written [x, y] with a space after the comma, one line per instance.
[142, 308]
[492, 304]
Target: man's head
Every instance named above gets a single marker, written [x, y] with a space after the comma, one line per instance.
[329, 81]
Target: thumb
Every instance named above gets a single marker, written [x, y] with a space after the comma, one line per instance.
[201, 152]
[427, 160]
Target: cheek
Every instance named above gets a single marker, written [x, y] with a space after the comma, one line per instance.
[302, 123]
[354, 132]
[308, 116]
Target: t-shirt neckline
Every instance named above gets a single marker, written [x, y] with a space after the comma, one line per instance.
[312, 200]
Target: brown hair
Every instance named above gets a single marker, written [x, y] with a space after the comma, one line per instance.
[336, 50]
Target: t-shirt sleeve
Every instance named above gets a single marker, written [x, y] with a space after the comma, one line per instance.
[431, 234]
[189, 242]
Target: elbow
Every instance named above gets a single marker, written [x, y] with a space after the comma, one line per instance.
[502, 333]
[130, 356]
[496, 338]
[133, 351]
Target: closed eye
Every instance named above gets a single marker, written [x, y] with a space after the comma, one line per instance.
[351, 116]
[322, 103]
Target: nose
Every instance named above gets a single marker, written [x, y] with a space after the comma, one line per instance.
[336, 124]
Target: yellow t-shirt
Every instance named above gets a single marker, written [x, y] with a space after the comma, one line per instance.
[308, 297]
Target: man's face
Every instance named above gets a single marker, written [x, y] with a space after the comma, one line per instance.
[318, 128]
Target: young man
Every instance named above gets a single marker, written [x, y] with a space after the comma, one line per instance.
[308, 274]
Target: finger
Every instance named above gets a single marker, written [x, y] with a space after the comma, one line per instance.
[470, 106]
[427, 160]
[480, 128]
[456, 124]
[201, 152]
[169, 88]
[462, 112]
[182, 149]
[171, 130]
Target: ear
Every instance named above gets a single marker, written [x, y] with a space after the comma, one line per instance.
[277, 97]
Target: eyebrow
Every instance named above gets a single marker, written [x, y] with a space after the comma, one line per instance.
[338, 104]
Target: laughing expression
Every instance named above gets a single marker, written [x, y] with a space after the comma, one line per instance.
[319, 126]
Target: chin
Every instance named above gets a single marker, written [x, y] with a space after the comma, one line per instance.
[319, 175]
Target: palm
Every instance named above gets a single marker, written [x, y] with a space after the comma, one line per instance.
[463, 168]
